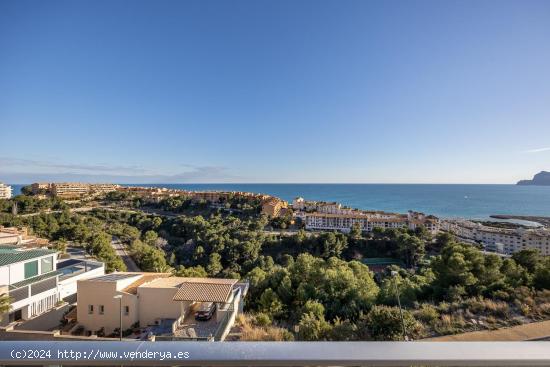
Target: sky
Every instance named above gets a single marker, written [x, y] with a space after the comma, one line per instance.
[274, 91]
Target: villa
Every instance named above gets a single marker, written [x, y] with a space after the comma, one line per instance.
[162, 304]
[36, 282]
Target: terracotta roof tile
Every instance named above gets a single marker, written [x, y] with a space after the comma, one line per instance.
[205, 290]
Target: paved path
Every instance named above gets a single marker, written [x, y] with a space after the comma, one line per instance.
[121, 251]
[72, 210]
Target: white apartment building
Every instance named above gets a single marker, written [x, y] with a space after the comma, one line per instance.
[35, 281]
[5, 191]
[344, 222]
[503, 240]
[299, 204]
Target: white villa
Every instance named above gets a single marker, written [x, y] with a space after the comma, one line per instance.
[35, 281]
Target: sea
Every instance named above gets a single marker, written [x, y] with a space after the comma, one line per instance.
[445, 201]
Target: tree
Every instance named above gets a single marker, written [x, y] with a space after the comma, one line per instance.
[214, 264]
[356, 233]
[411, 248]
[26, 190]
[384, 323]
[270, 303]
[542, 275]
[60, 245]
[5, 305]
[312, 328]
[192, 272]
[315, 308]
[154, 260]
[530, 259]
[150, 238]
[461, 265]
[441, 240]
[409, 290]
[331, 244]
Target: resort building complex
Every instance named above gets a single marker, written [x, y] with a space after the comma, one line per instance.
[78, 190]
[501, 240]
[71, 190]
[5, 191]
[334, 216]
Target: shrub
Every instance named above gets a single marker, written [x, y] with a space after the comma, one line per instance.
[427, 313]
[262, 319]
[384, 323]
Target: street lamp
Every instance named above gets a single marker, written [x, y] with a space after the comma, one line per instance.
[119, 297]
[394, 275]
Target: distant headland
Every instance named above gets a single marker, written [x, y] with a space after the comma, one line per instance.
[540, 179]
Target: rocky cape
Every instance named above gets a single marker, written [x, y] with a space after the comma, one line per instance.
[540, 179]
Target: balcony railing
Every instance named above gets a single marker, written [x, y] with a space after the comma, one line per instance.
[33, 286]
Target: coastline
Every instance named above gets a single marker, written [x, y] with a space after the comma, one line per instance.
[446, 201]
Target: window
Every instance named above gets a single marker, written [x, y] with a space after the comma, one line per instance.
[90, 309]
[31, 269]
[126, 310]
[46, 265]
[101, 309]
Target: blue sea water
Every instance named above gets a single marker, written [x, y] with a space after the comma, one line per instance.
[447, 201]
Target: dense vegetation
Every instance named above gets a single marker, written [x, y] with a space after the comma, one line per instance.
[313, 286]
[31, 204]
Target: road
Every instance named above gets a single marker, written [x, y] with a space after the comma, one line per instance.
[121, 251]
[72, 210]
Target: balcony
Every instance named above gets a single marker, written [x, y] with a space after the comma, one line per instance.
[33, 286]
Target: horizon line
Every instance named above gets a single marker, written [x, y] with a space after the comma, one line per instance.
[279, 183]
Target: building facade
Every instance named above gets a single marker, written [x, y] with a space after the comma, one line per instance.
[367, 221]
[5, 191]
[76, 190]
[501, 240]
[36, 281]
[151, 299]
[273, 207]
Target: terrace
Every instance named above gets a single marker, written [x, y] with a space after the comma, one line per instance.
[73, 267]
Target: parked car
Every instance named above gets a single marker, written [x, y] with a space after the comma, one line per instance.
[205, 311]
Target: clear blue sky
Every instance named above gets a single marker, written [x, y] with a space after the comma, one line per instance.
[274, 91]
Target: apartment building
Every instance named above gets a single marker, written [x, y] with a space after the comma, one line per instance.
[501, 240]
[35, 281]
[367, 221]
[70, 190]
[5, 191]
[273, 207]
[160, 301]
[101, 188]
[75, 190]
